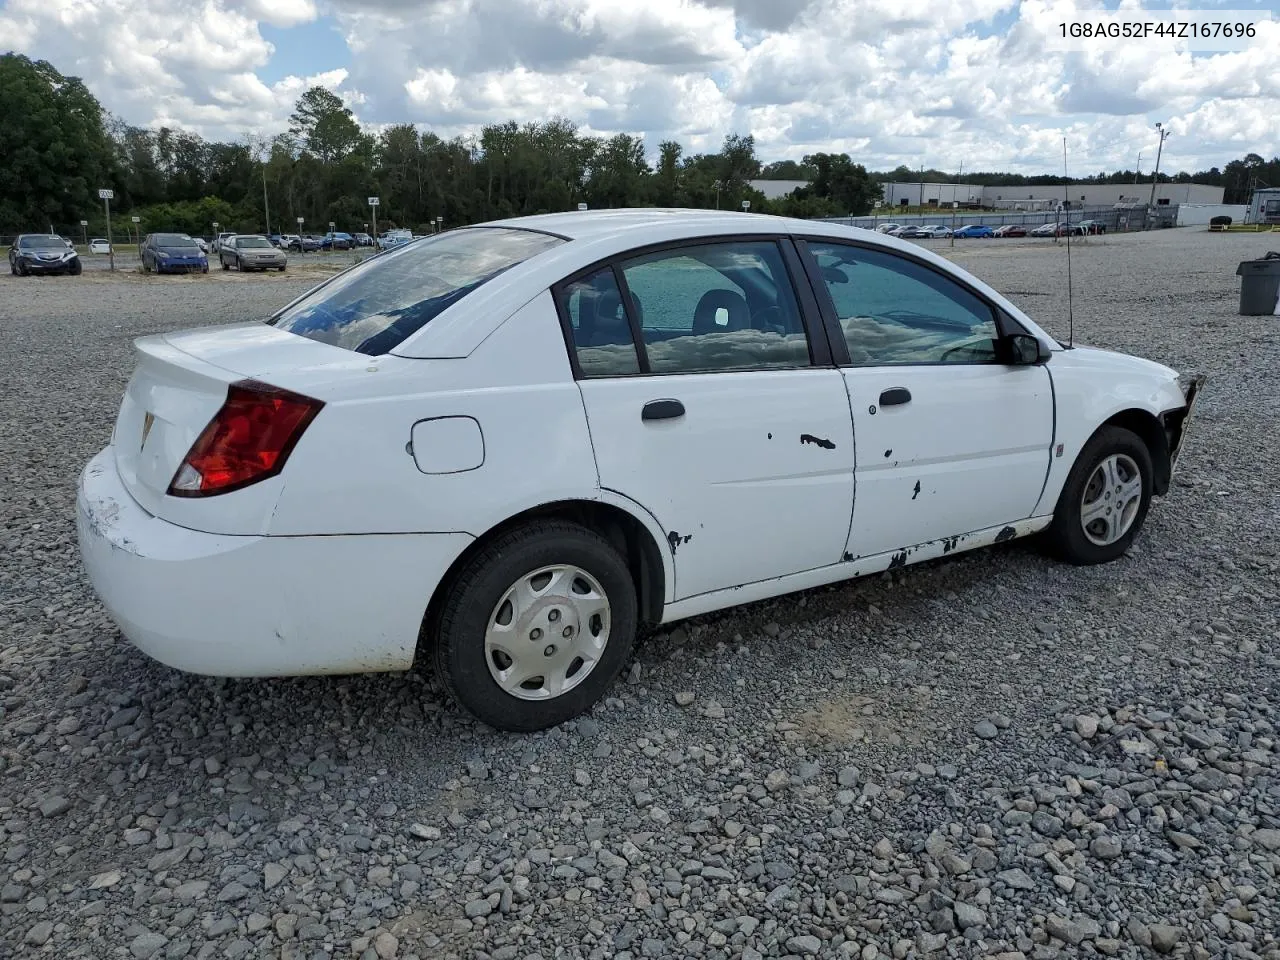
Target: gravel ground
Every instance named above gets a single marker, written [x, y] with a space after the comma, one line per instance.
[992, 756]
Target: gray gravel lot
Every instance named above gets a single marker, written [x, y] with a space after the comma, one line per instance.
[992, 756]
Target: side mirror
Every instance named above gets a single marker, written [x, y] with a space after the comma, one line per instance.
[1025, 350]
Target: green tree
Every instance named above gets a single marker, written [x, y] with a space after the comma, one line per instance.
[842, 182]
[54, 149]
[324, 126]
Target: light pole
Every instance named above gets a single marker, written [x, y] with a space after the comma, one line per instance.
[373, 217]
[302, 247]
[137, 230]
[1138, 168]
[84, 229]
[717, 186]
[1155, 177]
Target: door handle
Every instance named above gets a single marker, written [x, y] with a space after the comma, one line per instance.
[662, 410]
[894, 396]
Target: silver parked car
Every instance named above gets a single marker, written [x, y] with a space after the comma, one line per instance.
[251, 251]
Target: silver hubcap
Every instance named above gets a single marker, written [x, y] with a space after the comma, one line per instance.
[547, 633]
[1111, 500]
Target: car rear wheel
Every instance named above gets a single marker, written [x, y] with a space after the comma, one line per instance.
[1105, 500]
[535, 626]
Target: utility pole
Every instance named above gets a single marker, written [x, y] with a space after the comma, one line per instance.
[1155, 177]
[1138, 168]
[106, 196]
[954, 206]
[921, 186]
[266, 211]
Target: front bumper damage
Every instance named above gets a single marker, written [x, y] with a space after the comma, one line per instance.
[1177, 422]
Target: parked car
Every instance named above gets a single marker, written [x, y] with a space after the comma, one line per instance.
[251, 251]
[199, 242]
[393, 238]
[361, 522]
[304, 243]
[172, 253]
[39, 253]
[912, 232]
[1044, 230]
[220, 239]
[275, 239]
[1074, 229]
[288, 241]
[363, 240]
[337, 241]
[98, 245]
[937, 231]
[888, 227]
[974, 230]
[1092, 226]
[1011, 230]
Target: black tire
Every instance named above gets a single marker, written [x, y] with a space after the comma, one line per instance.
[224, 263]
[76, 267]
[239, 265]
[22, 269]
[457, 632]
[1066, 537]
[282, 269]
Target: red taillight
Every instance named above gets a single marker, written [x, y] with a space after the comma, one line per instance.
[247, 440]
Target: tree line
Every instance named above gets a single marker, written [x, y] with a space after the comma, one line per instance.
[58, 146]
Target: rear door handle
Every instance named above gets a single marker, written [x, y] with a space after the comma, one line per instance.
[894, 396]
[662, 410]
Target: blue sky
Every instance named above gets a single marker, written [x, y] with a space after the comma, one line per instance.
[939, 82]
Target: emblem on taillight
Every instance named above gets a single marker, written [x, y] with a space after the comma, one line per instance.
[147, 423]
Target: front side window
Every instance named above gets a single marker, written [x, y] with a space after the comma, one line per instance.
[716, 307]
[893, 310]
[375, 306]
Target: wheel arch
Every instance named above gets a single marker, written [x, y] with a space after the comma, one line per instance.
[1152, 433]
[632, 536]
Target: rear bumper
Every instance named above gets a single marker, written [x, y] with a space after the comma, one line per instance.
[255, 606]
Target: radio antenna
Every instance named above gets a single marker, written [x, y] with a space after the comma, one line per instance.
[1066, 212]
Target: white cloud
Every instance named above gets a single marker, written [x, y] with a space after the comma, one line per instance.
[934, 81]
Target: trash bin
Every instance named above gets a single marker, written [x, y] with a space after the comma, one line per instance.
[1260, 286]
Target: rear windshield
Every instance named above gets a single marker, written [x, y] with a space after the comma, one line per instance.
[373, 307]
[173, 241]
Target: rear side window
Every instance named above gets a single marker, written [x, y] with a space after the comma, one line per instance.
[375, 306]
[704, 308]
[601, 331]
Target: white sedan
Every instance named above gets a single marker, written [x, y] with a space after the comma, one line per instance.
[503, 448]
[98, 245]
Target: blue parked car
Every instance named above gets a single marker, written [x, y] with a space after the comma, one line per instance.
[172, 253]
[337, 241]
[974, 230]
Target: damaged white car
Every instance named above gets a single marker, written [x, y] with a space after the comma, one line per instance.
[505, 447]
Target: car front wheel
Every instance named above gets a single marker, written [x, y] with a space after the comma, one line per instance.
[1105, 500]
[535, 626]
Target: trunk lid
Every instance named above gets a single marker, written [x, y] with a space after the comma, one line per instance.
[178, 384]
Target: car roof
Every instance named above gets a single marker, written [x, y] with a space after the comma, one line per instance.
[591, 224]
